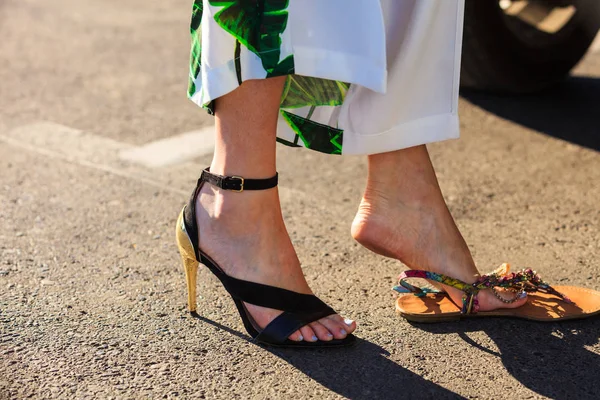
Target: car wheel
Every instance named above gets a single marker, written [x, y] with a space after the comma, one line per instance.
[525, 46]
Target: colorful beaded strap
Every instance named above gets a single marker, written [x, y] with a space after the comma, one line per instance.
[519, 283]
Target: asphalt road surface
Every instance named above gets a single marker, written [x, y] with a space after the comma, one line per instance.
[92, 296]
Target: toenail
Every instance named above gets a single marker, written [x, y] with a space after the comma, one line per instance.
[348, 322]
[343, 332]
[314, 338]
[329, 335]
[300, 338]
[522, 295]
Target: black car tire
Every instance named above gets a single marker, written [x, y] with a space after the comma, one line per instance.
[503, 54]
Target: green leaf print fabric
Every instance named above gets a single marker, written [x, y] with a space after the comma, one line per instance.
[362, 76]
[259, 26]
[302, 91]
[196, 46]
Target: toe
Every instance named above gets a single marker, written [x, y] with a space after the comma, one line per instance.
[348, 324]
[518, 301]
[296, 336]
[308, 334]
[488, 301]
[321, 332]
[337, 329]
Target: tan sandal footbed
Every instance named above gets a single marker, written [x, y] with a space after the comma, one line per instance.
[539, 307]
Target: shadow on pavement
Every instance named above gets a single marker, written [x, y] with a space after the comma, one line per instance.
[362, 371]
[223, 327]
[550, 359]
[570, 111]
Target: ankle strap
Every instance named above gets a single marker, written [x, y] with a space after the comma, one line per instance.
[237, 183]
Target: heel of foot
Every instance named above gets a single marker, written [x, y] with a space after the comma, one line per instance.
[373, 236]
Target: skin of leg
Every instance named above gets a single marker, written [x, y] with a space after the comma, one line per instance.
[403, 215]
[246, 121]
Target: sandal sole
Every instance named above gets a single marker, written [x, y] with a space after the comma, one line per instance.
[435, 308]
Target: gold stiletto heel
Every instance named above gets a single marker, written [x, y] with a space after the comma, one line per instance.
[191, 271]
[190, 264]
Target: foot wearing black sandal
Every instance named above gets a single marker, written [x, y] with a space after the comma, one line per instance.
[242, 237]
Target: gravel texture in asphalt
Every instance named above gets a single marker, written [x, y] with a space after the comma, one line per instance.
[92, 295]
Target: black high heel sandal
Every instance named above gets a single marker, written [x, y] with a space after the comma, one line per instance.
[298, 309]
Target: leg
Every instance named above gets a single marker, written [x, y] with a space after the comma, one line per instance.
[403, 215]
[244, 232]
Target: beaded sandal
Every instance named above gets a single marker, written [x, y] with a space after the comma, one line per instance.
[545, 303]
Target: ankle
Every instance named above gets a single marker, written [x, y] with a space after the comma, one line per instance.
[242, 165]
[406, 176]
[232, 209]
[381, 196]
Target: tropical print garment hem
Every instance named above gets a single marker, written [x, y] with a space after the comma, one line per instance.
[363, 76]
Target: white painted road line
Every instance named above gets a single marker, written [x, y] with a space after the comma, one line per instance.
[76, 147]
[96, 152]
[70, 141]
[172, 150]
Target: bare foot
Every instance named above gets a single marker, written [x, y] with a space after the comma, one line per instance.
[406, 218]
[245, 234]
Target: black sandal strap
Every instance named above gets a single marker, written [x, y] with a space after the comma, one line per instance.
[287, 323]
[273, 297]
[237, 183]
[299, 309]
[264, 295]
